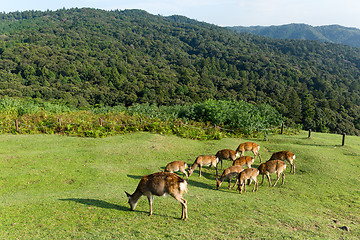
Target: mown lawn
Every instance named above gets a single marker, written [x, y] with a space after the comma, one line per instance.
[56, 187]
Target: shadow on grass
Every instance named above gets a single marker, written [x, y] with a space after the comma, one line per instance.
[315, 144]
[208, 173]
[201, 184]
[134, 176]
[107, 205]
[96, 203]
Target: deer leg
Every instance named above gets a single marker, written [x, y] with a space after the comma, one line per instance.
[241, 185]
[262, 179]
[183, 202]
[200, 170]
[278, 177]
[151, 199]
[255, 185]
[237, 181]
[229, 187]
[185, 210]
[283, 178]
[268, 176]
[185, 173]
[249, 181]
[293, 168]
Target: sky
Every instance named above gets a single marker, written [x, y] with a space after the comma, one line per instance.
[219, 12]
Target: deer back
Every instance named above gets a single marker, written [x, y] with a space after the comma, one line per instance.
[176, 166]
[203, 160]
[247, 146]
[230, 172]
[207, 160]
[162, 183]
[227, 154]
[244, 161]
[249, 173]
[272, 166]
[283, 155]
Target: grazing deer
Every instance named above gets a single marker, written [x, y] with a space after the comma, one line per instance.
[273, 166]
[204, 160]
[244, 161]
[228, 174]
[226, 154]
[177, 166]
[285, 156]
[248, 174]
[249, 146]
[160, 184]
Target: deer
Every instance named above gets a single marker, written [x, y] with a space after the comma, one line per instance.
[228, 174]
[177, 166]
[273, 166]
[204, 160]
[285, 156]
[244, 161]
[249, 146]
[160, 184]
[226, 154]
[248, 174]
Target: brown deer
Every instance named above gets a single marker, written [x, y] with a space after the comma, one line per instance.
[244, 161]
[177, 166]
[204, 160]
[228, 174]
[249, 146]
[226, 154]
[285, 156]
[273, 166]
[160, 184]
[248, 174]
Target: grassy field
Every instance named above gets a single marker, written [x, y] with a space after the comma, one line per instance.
[56, 187]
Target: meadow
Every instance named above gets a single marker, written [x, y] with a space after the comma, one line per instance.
[61, 187]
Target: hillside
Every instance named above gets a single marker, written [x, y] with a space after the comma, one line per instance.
[87, 58]
[330, 33]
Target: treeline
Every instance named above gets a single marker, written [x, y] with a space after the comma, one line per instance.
[86, 58]
[329, 33]
[209, 120]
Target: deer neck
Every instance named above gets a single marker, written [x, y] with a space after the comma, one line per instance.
[193, 167]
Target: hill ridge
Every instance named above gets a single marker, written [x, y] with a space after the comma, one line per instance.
[327, 33]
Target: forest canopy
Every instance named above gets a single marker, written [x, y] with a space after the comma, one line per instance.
[94, 58]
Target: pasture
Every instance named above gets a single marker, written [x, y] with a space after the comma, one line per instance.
[58, 187]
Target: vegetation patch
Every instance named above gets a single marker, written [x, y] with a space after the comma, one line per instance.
[209, 120]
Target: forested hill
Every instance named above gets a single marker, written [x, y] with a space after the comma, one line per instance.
[329, 33]
[89, 57]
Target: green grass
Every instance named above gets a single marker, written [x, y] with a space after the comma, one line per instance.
[57, 187]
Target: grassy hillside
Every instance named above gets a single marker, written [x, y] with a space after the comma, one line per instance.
[55, 187]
